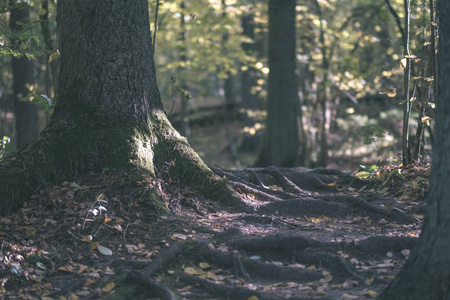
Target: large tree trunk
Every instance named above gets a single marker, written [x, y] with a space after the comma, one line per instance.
[109, 113]
[281, 140]
[26, 113]
[426, 274]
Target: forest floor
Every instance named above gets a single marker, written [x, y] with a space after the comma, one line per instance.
[306, 234]
[303, 234]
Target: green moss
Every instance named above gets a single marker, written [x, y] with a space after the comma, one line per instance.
[87, 143]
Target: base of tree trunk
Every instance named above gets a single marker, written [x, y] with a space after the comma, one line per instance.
[67, 150]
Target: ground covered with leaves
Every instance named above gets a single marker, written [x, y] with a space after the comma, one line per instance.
[302, 234]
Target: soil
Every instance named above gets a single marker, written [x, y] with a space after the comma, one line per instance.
[301, 234]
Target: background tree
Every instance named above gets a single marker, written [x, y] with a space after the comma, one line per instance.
[280, 145]
[426, 273]
[26, 113]
[109, 113]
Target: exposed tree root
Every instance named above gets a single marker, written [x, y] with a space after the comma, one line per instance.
[295, 198]
[281, 236]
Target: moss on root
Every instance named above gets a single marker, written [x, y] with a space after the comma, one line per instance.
[87, 143]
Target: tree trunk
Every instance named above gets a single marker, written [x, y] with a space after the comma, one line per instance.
[248, 82]
[426, 274]
[280, 145]
[109, 114]
[26, 113]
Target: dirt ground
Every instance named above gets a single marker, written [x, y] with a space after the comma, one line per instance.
[301, 234]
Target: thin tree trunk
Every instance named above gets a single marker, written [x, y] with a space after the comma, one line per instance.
[26, 113]
[185, 129]
[322, 95]
[406, 151]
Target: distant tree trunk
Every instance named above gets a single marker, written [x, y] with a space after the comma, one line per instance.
[248, 82]
[229, 82]
[406, 149]
[26, 113]
[109, 114]
[50, 70]
[185, 128]
[322, 95]
[280, 145]
[426, 274]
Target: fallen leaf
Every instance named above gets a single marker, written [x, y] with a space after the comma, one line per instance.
[370, 293]
[87, 238]
[109, 287]
[406, 252]
[104, 250]
[72, 297]
[204, 265]
[94, 245]
[90, 281]
[369, 281]
[178, 236]
[193, 271]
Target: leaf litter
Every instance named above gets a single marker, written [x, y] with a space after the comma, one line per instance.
[60, 246]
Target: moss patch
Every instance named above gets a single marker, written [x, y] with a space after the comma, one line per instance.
[87, 143]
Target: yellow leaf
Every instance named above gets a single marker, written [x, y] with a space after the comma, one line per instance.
[370, 293]
[82, 269]
[193, 271]
[54, 56]
[403, 63]
[73, 297]
[369, 281]
[109, 287]
[204, 265]
[87, 238]
[253, 298]
[107, 220]
[90, 281]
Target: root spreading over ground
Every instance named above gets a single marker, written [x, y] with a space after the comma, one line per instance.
[299, 234]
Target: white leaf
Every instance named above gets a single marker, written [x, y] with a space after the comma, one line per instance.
[104, 250]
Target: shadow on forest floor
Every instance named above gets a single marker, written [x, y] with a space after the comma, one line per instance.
[305, 234]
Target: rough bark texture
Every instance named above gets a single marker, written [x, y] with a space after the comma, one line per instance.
[108, 114]
[26, 113]
[426, 275]
[281, 141]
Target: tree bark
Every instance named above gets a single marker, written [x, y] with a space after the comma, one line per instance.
[280, 145]
[26, 113]
[426, 274]
[109, 114]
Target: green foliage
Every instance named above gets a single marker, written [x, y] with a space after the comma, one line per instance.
[44, 101]
[3, 144]
[370, 133]
[367, 172]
